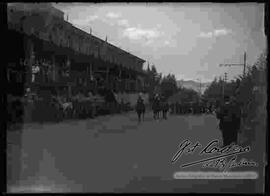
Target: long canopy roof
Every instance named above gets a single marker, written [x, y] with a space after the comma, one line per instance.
[50, 26]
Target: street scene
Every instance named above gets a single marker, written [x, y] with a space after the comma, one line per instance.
[98, 104]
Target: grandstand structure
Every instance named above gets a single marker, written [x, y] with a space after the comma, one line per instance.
[51, 53]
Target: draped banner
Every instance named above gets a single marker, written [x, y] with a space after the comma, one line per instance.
[109, 55]
[103, 51]
[96, 49]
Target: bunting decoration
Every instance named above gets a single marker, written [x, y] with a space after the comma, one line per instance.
[104, 51]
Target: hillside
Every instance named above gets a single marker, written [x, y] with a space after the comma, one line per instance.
[193, 85]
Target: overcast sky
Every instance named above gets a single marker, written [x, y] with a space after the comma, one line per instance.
[188, 40]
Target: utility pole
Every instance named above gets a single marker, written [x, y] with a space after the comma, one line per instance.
[245, 59]
[235, 64]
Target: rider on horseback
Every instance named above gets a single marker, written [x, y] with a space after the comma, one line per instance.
[164, 107]
[140, 99]
[140, 107]
[156, 106]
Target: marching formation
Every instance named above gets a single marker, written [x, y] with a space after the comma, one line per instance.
[161, 107]
[192, 108]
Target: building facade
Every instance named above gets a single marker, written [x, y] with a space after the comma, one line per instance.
[50, 53]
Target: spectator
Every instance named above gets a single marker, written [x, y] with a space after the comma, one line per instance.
[229, 115]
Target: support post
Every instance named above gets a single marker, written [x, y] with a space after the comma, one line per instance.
[245, 59]
[53, 67]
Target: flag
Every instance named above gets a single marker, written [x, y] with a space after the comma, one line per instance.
[125, 60]
[95, 49]
[103, 50]
[120, 73]
[91, 46]
[98, 49]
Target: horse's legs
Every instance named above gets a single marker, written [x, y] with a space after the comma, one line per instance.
[139, 116]
[164, 114]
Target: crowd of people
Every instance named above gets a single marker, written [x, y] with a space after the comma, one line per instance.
[48, 106]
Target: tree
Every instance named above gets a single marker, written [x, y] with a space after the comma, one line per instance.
[184, 95]
[214, 90]
[168, 85]
[153, 79]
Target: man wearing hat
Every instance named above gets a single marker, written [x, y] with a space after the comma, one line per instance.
[140, 107]
[229, 124]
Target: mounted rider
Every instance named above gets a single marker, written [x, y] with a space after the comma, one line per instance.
[156, 106]
[140, 107]
[140, 99]
[164, 106]
[156, 98]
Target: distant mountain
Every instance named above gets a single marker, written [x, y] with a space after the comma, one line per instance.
[193, 85]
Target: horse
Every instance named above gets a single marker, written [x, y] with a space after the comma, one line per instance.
[56, 106]
[67, 108]
[164, 106]
[140, 109]
[156, 107]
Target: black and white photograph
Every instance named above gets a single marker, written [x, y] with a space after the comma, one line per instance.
[136, 97]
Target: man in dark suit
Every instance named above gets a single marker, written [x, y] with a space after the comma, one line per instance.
[229, 115]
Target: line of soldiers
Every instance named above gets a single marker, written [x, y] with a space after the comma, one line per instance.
[190, 108]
